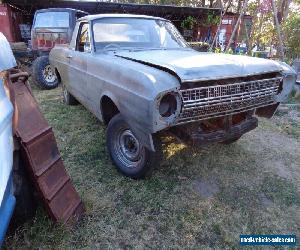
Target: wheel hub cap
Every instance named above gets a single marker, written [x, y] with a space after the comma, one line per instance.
[130, 146]
[49, 74]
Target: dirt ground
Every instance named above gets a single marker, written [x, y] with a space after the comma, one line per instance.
[197, 199]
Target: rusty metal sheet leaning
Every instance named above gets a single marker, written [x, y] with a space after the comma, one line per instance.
[43, 160]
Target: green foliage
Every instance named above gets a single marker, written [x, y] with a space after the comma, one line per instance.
[264, 32]
[212, 19]
[188, 23]
[218, 50]
[230, 51]
[291, 29]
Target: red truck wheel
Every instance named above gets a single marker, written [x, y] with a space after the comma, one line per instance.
[42, 73]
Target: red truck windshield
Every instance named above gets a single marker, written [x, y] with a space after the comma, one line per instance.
[55, 19]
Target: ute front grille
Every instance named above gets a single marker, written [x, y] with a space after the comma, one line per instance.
[214, 101]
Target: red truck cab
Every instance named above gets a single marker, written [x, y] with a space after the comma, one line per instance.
[53, 26]
[50, 26]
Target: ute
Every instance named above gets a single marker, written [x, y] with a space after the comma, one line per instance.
[138, 75]
[50, 26]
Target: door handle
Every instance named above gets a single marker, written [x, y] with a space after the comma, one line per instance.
[69, 56]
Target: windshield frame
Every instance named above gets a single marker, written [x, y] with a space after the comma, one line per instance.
[135, 48]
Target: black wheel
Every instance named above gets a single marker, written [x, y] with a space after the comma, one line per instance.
[42, 73]
[127, 153]
[69, 99]
[231, 140]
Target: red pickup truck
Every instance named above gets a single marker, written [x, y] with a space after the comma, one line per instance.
[49, 27]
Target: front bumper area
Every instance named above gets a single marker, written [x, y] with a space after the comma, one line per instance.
[227, 99]
[196, 136]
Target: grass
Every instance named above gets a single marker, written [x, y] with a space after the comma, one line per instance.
[197, 199]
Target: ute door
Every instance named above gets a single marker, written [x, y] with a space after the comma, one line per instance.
[78, 63]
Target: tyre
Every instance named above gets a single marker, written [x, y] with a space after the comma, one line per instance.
[69, 99]
[42, 73]
[127, 153]
[231, 140]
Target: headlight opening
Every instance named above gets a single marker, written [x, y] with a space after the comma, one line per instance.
[169, 105]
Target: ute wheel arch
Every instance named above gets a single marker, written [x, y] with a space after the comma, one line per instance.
[108, 109]
[58, 75]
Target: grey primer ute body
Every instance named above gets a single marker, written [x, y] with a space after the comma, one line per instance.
[153, 86]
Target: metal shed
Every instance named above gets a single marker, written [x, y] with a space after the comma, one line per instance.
[171, 12]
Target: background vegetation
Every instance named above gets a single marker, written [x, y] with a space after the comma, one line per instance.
[263, 32]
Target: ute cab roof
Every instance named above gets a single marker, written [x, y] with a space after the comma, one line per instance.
[98, 16]
[61, 9]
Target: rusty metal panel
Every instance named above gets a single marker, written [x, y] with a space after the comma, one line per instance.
[64, 203]
[53, 180]
[76, 215]
[5, 21]
[31, 122]
[42, 156]
[10, 19]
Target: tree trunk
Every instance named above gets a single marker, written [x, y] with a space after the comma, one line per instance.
[261, 21]
[283, 10]
[255, 20]
[278, 31]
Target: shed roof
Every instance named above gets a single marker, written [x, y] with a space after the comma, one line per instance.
[96, 7]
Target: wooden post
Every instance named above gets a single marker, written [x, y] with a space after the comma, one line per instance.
[278, 31]
[236, 25]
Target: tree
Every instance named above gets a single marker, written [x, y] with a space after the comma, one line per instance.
[291, 28]
[242, 12]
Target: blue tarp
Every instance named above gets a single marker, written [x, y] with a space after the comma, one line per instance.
[6, 209]
[7, 199]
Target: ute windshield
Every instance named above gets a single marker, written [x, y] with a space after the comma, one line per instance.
[135, 33]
